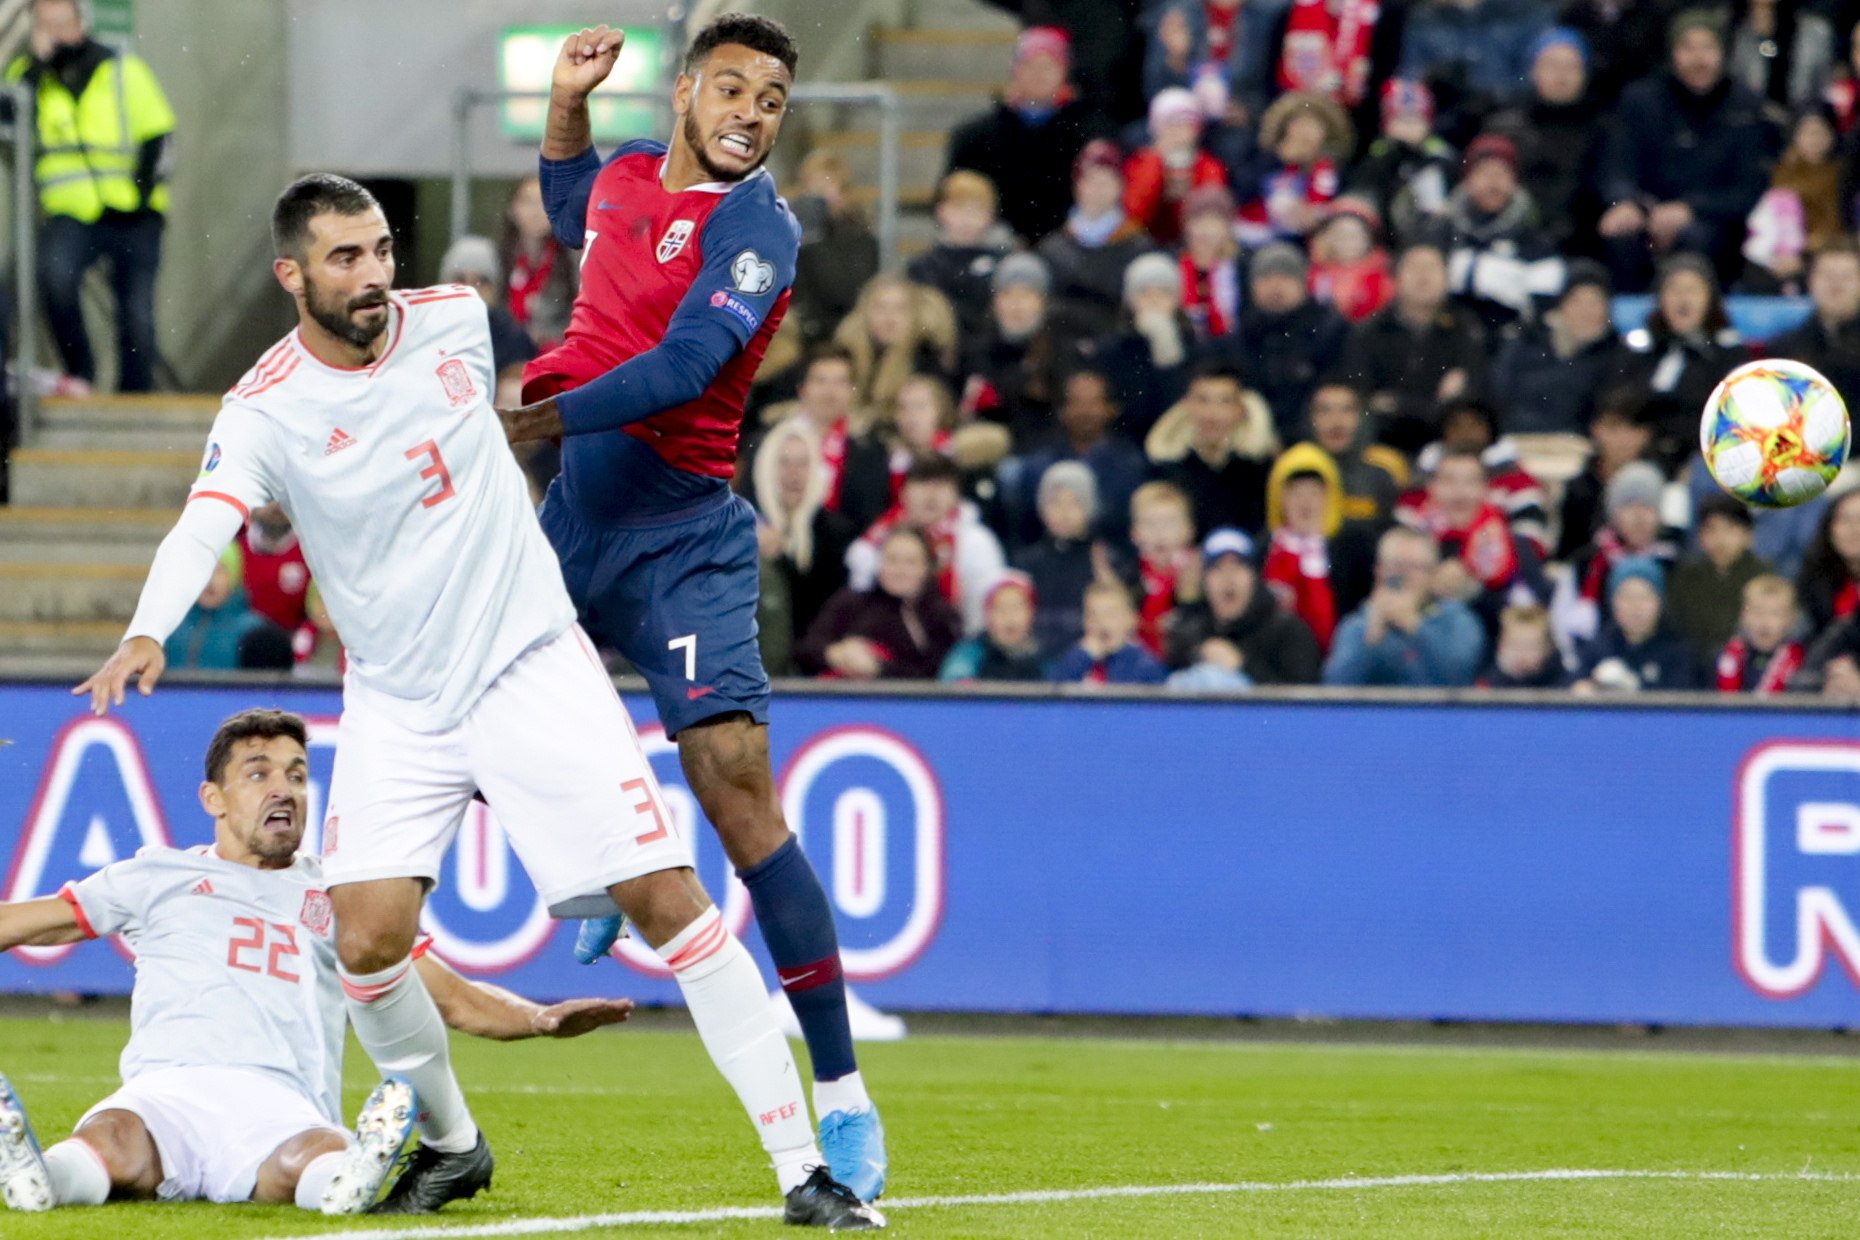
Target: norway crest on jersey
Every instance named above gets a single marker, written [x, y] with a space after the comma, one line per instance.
[457, 381]
[672, 244]
[316, 914]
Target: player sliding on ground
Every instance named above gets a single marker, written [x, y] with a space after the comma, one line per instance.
[232, 1080]
[687, 259]
[372, 425]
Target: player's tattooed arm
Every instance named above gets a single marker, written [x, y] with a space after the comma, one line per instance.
[487, 1011]
[50, 922]
[538, 421]
[586, 58]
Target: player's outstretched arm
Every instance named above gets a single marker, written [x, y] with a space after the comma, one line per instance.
[586, 58]
[488, 1011]
[50, 922]
[183, 566]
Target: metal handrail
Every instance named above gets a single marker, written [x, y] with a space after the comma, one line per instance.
[870, 94]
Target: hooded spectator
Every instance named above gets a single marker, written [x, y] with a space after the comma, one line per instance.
[1026, 144]
[1148, 358]
[1499, 262]
[1635, 649]
[1687, 346]
[215, 633]
[1060, 564]
[1014, 366]
[1418, 351]
[803, 542]
[1558, 133]
[897, 329]
[1304, 139]
[1404, 634]
[1083, 433]
[1407, 160]
[966, 556]
[1210, 262]
[1374, 476]
[1830, 339]
[1217, 446]
[1688, 158]
[1829, 582]
[960, 264]
[1006, 649]
[540, 277]
[1108, 653]
[1349, 264]
[1238, 624]
[1158, 178]
[1100, 239]
[1524, 657]
[898, 627]
[1705, 592]
[1550, 372]
[1620, 432]
[1318, 565]
[838, 253]
[1781, 51]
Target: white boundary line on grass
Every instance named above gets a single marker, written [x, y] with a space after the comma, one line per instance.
[637, 1218]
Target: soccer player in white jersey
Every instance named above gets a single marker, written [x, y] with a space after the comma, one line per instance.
[372, 425]
[232, 1079]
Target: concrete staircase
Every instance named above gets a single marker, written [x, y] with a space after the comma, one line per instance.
[93, 492]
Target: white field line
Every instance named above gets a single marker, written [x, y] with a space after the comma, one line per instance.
[638, 1218]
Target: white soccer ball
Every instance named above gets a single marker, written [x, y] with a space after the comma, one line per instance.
[1774, 433]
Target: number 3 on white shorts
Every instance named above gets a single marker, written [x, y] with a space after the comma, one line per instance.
[689, 644]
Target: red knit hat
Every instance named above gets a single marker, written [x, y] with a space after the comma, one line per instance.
[1491, 146]
[1044, 41]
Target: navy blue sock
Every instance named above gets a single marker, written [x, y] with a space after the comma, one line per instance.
[797, 924]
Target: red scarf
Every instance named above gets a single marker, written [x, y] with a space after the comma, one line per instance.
[1734, 665]
[1159, 583]
[942, 538]
[833, 454]
[1221, 23]
[1298, 571]
[1355, 290]
[1327, 51]
[527, 279]
[1211, 298]
[1483, 545]
[1847, 601]
[902, 457]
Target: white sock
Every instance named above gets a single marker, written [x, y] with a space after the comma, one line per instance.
[316, 1178]
[846, 1094]
[723, 989]
[399, 1027]
[79, 1177]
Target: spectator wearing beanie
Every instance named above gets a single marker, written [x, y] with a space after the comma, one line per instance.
[1217, 446]
[1635, 650]
[1499, 263]
[1634, 530]
[1210, 262]
[1286, 340]
[474, 261]
[961, 263]
[1304, 139]
[1687, 159]
[1014, 366]
[1060, 564]
[1239, 624]
[1349, 264]
[1027, 142]
[1761, 657]
[1088, 256]
[1006, 649]
[1558, 133]
[1148, 357]
[1407, 161]
[1707, 589]
[1158, 178]
[1551, 371]
[1687, 346]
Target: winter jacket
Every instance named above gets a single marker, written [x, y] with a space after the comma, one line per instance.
[1276, 647]
[1541, 393]
[1444, 651]
[209, 639]
[1088, 280]
[834, 263]
[1703, 605]
[1710, 151]
[1489, 41]
[1559, 152]
[1023, 381]
[1031, 165]
[1144, 389]
[1061, 569]
[1835, 352]
[1283, 356]
[1146, 196]
[1226, 492]
[1401, 367]
[1501, 265]
[1133, 665]
[1662, 662]
[1420, 177]
[965, 275]
[1686, 368]
[912, 638]
[979, 658]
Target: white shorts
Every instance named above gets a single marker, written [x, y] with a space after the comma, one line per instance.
[214, 1127]
[554, 753]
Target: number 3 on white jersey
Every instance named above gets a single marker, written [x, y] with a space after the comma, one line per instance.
[689, 644]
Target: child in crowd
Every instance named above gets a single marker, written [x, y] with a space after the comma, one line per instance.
[1210, 262]
[1349, 263]
[1162, 529]
[1304, 508]
[1407, 160]
[1108, 654]
[1525, 657]
[1635, 649]
[1060, 565]
[1634, 530]
[1762, 657]
[1801, 212]
[1005, 650]
[1303, 138]
[1158, 178]
[1620, 432]
[961, 263]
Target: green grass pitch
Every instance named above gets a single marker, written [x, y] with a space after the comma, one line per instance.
[637, 1121]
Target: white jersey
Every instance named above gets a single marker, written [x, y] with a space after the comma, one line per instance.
[235, 966]
[415, 519]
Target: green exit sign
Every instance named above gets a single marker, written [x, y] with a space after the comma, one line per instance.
[526, 60]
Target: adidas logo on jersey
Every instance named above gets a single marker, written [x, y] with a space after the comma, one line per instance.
[202, 888]
[338, 440]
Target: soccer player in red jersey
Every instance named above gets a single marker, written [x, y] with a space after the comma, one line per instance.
[688, 256]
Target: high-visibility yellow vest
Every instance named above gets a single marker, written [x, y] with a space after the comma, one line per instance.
[88, 143]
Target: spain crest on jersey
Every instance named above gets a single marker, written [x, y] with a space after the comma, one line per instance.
[673, 242]
[316, 913]
[457, 381]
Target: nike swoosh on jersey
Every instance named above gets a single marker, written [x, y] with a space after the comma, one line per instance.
[693, 694]
[605, 206]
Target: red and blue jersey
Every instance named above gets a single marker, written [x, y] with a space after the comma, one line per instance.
[680, 294]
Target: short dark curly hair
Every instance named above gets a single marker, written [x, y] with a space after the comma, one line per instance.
[761, 34]
[261, 724]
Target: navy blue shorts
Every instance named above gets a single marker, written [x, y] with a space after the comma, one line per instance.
[678, 600]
